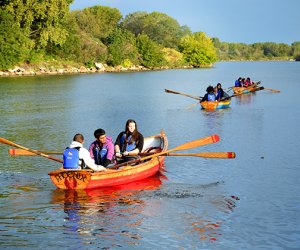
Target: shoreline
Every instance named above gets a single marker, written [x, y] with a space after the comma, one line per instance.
[70, 70]
[98, 68]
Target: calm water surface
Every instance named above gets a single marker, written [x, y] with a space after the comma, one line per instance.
[251, 202]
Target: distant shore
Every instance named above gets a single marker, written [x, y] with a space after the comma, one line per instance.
[98, 68]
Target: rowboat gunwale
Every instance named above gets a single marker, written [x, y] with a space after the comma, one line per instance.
[87, 179]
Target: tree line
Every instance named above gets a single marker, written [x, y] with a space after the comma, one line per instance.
[33, 31]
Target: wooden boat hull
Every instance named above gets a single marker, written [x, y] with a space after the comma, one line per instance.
[243, 90]
[215, 105]
[87, 179]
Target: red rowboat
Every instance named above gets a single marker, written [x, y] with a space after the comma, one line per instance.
[87, 179]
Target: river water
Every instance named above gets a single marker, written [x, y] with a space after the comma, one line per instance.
[250, 202]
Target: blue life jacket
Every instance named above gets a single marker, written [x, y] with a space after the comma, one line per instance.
[129, 147]
[99, 155]
[71, 158]
[237, 83]
[211, 97]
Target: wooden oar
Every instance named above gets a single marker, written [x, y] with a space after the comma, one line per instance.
[188, 145]
[273, 90]
[192, 105]
[228, 97]
[17, 151]
[178, 93]
[221, 155]
[5, 141]
[224, 155]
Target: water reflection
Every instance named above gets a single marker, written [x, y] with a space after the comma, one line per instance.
[244, 99]
[214, 119]
[211, 229]
[112, 212]
[204, 211]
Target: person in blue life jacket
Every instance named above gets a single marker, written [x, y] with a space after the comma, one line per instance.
[221, 94]
[77, 157]
[210, 95]
[129, 143]
[238, 82]
[102, 149]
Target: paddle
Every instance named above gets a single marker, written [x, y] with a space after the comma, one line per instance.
[192, 105]
[234, 95]
[5, 141]
[187, 145]
[178, 93]
[225, 155]
[273, 90]
[16, 152]
[221, 155]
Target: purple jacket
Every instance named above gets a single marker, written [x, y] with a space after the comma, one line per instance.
[108, 146]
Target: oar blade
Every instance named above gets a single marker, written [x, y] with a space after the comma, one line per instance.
[273, 90]
[197, 143]
[5, 141]
[22, 152]
[16, 152]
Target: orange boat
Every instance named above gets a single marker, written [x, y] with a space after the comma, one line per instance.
[246, 90]
[87, 179]
[215, 105]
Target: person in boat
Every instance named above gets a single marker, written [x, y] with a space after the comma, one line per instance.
[129, 143]
[220, 93]
[210, 95]
[244, 83]
[238, 82]
[249, 82]
[77, 157]
[102, 149]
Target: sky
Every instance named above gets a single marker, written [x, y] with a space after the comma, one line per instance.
[234, 21]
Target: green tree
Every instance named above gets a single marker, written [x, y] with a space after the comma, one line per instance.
[151, 52]
[159, 27]
[295, 50]
[15, 47]
[80, 46]
[122, 48]
[41, 21]
[198, 50]
[98, 21]
[173, 57]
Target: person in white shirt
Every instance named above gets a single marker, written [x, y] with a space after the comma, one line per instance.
[84, 155]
